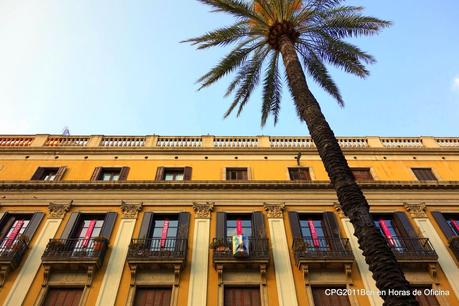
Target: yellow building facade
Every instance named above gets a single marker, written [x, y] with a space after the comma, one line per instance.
[219, 221]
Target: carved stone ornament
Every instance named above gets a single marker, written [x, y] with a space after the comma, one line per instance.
[339, 210]
[274, 210]
[130, 211]
[416, 210]
[57, 211]
[203, 210]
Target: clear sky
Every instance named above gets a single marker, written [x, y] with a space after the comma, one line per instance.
[117, 67]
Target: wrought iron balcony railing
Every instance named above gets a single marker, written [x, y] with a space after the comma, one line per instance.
[157, 250]
[322, 249]
[258, 250]
[76, 250]
[454, 246]
[409, 249]
[11, 251]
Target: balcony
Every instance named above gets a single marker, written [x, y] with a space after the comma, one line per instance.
[11, 252]
[258, 252]
[76, 253]
[322, 250]
[412, 249]
[454, 246]
[157, 253]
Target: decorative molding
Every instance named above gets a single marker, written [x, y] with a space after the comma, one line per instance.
[203, 210]
[339, 210]
[417, 210]
[130, 211]
[274, 210]
[57, 211]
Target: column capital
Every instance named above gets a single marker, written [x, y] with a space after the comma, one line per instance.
[339, 210]
[203, 210]
[58, 210]
[274, 210]
[417, 210]
[130, 210]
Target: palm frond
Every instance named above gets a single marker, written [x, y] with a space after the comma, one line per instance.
[237, 8]
[220, 37]
[272, 85]
[350, 25]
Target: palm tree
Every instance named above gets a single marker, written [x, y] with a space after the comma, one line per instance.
[307, 34]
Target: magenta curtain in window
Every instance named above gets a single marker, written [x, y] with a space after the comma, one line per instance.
[88, 234]
[162, 242]
[386, 231]
[14, 233]
[312, 228]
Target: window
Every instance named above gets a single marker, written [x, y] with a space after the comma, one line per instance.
[13, 228]
[48, 174]
[238, 225]
[236, 174]
[238, 296]
[323, 299]
[145, 296]
[385, 224]
[313, 231]
[362, 174]
[299, 173]
[109, 174]
[425, 299]
[453, 222]
[424, 174]
[164, 232]
[173, 174]
[90, 227]
[63, 296]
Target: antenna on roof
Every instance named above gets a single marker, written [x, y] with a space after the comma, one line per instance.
[66, 131]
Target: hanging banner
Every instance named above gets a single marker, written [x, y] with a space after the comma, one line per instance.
[386, 231]
[162, 242]
[315, 238]
[88, 234]
[240, 242]
[14, 233]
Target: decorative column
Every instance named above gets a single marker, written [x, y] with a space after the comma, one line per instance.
[367, 277]
[284, 275]
[197, 292]
[447, 264]
[31, 265]
[112, 276]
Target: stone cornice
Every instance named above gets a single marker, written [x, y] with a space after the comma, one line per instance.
[132, 185]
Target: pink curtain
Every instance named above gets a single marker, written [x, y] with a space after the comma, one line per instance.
[88, 234]
[12, 236]
[315, 239]
[386, 231]
[162, 242]
[455, 224]
[238, 227]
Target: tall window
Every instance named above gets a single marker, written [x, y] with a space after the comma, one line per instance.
[322, 299]
[453, 223]
[164, 232]
[89, 228]
[63, 296]
[424, 174]
[238, 296]
[312, 230]
[385, 224]
[362, 174]
[147, 296]
[13, 229]
[174, 174]
[236, 174]
[238, 225]
[299, 173]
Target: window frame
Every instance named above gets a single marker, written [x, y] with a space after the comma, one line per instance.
[308, 171]
[366, 169]
[246, 169]
[414, 169]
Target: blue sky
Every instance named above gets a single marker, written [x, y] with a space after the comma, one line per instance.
[117, 67]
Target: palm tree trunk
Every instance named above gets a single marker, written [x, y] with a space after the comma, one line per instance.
[382, 263]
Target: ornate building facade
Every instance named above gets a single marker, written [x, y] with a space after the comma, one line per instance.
[210, 220]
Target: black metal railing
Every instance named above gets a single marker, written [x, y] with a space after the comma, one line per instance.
[412, 248]
[454, 246]
[258, 249]
[11, 251]
[322, 248]
[157, 249]
[76, 250]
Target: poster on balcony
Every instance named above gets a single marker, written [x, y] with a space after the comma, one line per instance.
[240, 242]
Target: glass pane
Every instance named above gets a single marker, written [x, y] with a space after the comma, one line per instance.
[172, 232]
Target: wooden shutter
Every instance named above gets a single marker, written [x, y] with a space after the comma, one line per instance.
[294, 224]
[33, 225]
[258, 224]
[124, 173]
[60, 173]
[96, 174]
[182, 232]
[403, 224]
[152, 296]
[424, 174]
[443, 224]
[5, 224]
[109, 222]
[320, 298]
[362, 174]
[187, 173]
[145, 227]
[159, 174]
[244, 174]
[71, 225]
[332, 231]
[237, 296]
[38, 175]
[63, 296]
[221, 225]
